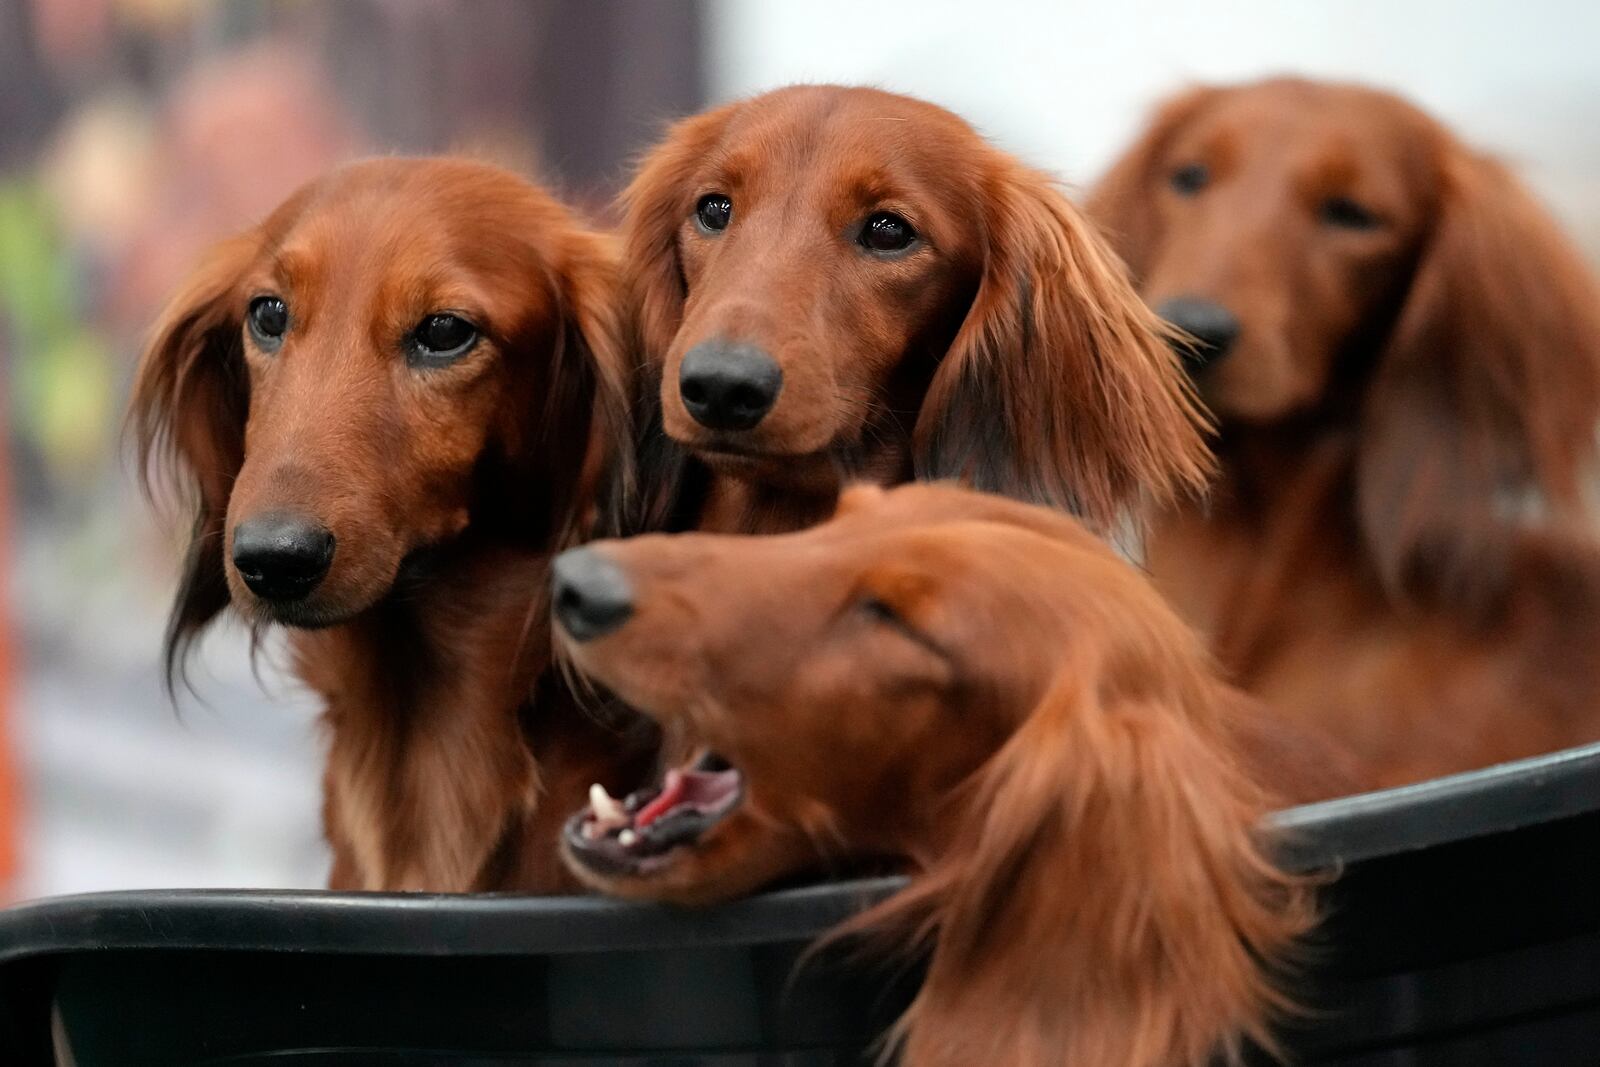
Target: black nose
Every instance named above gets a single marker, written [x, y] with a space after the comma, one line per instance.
[728, 386]
[1212, 326]
[589, 594]
[280, 556]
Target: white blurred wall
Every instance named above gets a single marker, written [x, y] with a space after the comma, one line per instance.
[1066, 84]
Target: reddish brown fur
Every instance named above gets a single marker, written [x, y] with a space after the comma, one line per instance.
[1399, 548]
[1006, 350]
[447, 489]
[985, 691]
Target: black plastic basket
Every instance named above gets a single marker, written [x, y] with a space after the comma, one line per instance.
[1465, 930]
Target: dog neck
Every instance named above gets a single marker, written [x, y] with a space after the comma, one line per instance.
[1280, 517]
[1301, 464]
[422, 697]
[737, 505]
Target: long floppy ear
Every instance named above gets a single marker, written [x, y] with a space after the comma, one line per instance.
[1106, 898]
[1060, 388]
[191, 397]
[583, 453]
[1121, 203]
[1482, 408]
[655, 205]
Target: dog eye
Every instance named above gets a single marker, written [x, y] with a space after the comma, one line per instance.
[440, 338]
[878, 611]
[1345, 213]
[883, 614]
[714, 211]
[268, 319]
[887, 232]
[1190, 179]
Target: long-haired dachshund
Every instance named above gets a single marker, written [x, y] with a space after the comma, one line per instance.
[829, 283]
[983, 690]
[393, 401]
[1404, 357]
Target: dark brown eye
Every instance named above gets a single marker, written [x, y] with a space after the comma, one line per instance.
[442, 339]
[882, 614]
[887, 232]
[1346, 214]
[714, 211]
[1190, 179]
[879, 611]
[268, 319]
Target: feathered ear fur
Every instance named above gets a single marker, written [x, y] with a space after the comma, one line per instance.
[1120, 203]
[1484, 402]
[1060, 388]
[654, 206]
[1105, 899]
[580, 451]
[191, 398]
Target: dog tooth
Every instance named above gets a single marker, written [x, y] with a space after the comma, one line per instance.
[607, 809]
[627, 838]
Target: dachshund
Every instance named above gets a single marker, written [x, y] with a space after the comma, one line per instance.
[828, 283]
[1403, 355]
[986, 692]
[392, 402]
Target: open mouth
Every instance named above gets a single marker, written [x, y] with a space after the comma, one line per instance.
[635, 835]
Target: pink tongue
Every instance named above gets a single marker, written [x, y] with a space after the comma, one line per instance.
[672, 790]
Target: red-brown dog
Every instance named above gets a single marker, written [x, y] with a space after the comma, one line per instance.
[393, 400]
[984, 691]
[830, 283]
[1404, 356]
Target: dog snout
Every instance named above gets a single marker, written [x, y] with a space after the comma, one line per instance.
[728, 386]
[1213, 328]
[590, 595]
[282, 557]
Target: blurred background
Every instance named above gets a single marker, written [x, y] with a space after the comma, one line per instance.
[135, 132]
